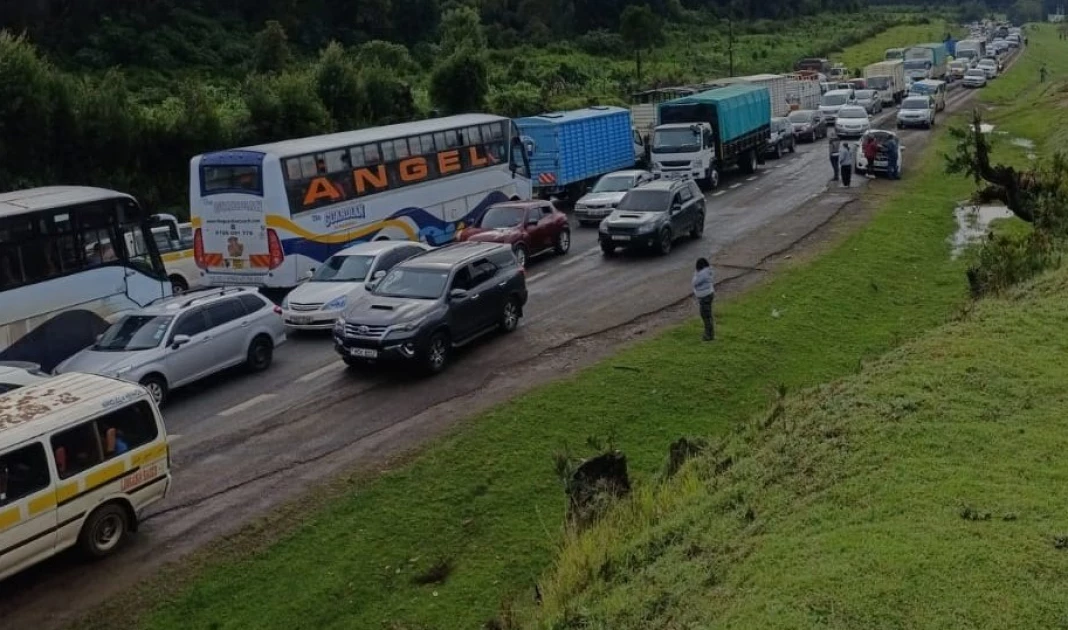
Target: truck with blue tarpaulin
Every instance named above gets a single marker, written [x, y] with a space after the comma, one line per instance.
[570, 150]
[704, 134]
[926, 61]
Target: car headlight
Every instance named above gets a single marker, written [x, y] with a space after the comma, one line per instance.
[285, 302]
[408, 326]
[335, 304]
[645, 228]
[603, 227]
[580, 206]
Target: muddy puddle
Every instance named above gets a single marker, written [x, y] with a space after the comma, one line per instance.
[973, 224]
[1025, 144]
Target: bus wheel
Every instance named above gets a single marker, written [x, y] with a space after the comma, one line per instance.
[178, 285]
[104, 531]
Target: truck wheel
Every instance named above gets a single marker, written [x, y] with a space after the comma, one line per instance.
[713, 177]
[749, 166]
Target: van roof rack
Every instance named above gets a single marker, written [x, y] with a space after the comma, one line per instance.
[207, 293]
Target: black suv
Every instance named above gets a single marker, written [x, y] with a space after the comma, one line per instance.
[653, 215]
[434, 302]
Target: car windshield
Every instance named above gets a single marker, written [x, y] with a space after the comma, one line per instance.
[676, 140]
[990, 63]
[341, 268]
[134, 332]
[852, 113]
[833, 99]
[800, 117]
[413, 282]
[499, 217]
[614, 183]
[914, 103]
[645, 201]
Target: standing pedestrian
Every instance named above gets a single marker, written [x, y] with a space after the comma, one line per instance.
[845, 161]
[870, 150]
[892, 163]
[833, 145]
[1042, 74]
[704, 289]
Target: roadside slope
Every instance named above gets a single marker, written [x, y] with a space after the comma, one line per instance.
[919, 493]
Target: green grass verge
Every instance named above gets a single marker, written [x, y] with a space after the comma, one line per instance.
[915, 494]
[874, 49]
[485, 501]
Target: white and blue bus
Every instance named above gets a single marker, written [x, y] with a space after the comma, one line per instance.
[72, 259]
[268, 215]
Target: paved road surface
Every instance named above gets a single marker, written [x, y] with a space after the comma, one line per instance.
[310, 418]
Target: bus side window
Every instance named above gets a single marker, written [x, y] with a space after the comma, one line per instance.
[293, 169]
[82, 447]
[23, 472]
[126, 429]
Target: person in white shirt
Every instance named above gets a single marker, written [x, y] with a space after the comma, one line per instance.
[704, 289]
[845, 162]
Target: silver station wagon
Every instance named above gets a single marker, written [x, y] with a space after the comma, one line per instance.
[178, 340]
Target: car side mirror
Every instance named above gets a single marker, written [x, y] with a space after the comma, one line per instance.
[308, 276]
[532, 221]
[179, 340]
[676, 208]
[99, 337]
[376, 277]
[457, 294]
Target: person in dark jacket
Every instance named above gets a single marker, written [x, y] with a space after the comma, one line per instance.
[845, 161]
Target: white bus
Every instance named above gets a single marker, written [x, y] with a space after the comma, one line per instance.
[72, 259]
[269, 215]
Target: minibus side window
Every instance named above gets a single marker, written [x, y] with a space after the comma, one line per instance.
[77, 450]
[126, 429]
[23, 472]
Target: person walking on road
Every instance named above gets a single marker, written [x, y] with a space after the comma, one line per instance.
[892, 149]
[845, 161]
[833, 145]
[870, 149]
[704, 289]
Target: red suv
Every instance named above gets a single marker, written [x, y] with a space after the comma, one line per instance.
[530, 227]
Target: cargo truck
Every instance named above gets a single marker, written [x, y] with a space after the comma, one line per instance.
[971, 50]
[776, 84]
[569, 150]
[888, 79]
[814, 64]
[703, 135]
[803, 91]
[926, 61]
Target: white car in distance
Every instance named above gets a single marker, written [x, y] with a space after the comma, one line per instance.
[974, 78]
[326, 293]
[989, 66]
[852, 122]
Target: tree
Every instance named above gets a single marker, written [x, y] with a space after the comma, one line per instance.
[460, 83]
[1038, 196]
[461, 27]
[272, 48]
[387, 99]
[385, 54]
[337, 83]
[642, 29]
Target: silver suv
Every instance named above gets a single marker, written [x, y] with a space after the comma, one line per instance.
[178, 340]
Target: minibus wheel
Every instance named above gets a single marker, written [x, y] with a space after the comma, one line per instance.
[104, 531]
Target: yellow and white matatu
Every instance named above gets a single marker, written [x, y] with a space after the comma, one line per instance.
[80, 457]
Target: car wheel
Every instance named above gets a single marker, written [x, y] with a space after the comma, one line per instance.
[608, 249]
[353, 363]
[178, 285]
[778, 150]
[104, 531]
[260, 354]
[699, 226]
[563, 242]
[157, 388]
[793, 146]
[510, 315]
[521, 255]
[667, 241]
[436, 356]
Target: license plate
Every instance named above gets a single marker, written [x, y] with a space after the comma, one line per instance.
[620, 237]
[364, 353]
[880, 162]
[237, 264]
[300, 319]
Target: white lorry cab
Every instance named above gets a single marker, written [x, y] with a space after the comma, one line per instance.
[81, 456]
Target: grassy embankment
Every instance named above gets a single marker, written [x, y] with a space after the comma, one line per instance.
[918, 493]
[482, 509]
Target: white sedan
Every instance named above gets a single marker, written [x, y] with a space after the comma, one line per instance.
[852, 122]
[881, 163]
[319, 301]
[975, 78]
[16, 374]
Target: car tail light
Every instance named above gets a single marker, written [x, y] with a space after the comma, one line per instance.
[198, 249]
[274, 249]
